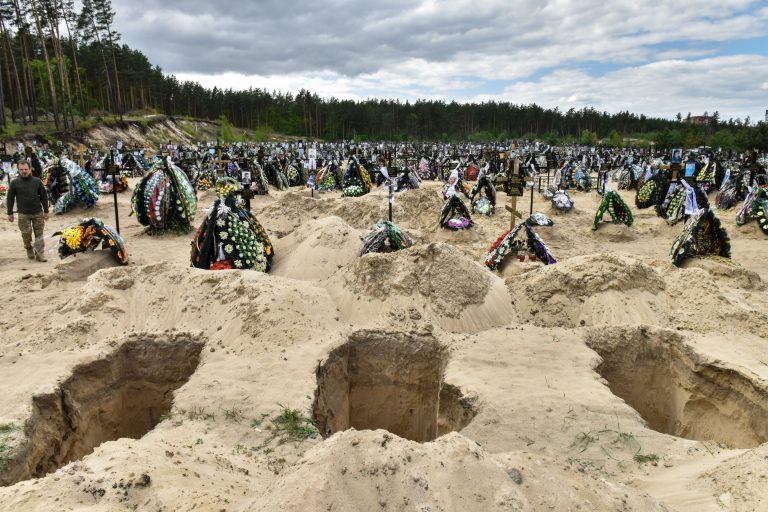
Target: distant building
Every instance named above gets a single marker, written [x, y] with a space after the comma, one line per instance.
[702, 119]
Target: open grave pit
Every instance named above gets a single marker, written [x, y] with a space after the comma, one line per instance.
[124, 394]
[679, 393]
[390, 381]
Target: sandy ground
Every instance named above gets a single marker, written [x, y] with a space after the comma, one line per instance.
[609, 381]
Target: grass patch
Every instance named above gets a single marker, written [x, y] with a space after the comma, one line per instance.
[233, 414]
[199, 413]
[189, 130]
[84, 124]
[292, 425]
[613, 441]
[10, 130]
[6, 430]
[643, 458]
[4, 459]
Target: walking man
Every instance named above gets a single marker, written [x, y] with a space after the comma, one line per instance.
[32, 199]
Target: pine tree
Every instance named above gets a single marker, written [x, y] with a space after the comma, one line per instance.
[54, 103]
[22, 33]
[68, 14]
[86, 23]
[6, 14]
[104, 17]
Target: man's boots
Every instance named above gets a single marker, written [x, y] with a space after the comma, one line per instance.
[30, 253]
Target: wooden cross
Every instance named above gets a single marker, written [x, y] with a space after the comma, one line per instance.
[512, 208]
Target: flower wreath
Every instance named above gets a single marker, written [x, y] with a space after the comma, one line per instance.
[702, 235]
[455, 214]
[651, 192]
[616, 207]
[87, 235]
[502, 246]
[83, 189]
[164, 199]
[356, 181]
[230, 237]
[382, 232]
[755, 207]
[483, 197]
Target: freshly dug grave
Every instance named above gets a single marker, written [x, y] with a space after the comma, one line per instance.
[125, 394]
[436, 280]
[679, 393]
[595, 289]
[391, 381]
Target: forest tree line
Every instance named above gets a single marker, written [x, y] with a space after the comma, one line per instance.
[65, 67]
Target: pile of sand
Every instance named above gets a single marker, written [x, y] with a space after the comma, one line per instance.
[162, 296]
[435, 281]
[737, 489]
[316, 250]
[595, 289]
[414, 208]
[373, 470]
[713, 294]
[611, 289]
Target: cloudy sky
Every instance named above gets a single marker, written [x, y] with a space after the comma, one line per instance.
[657, 58]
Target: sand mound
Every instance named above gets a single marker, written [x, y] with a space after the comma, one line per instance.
[78, 267]
[434, 280]
[412, 208]
[608, 231]
[727, 270]
[701, 303]
[373, 470]
[227, 304]
[595, 289]
[737, 489]
[316, 250]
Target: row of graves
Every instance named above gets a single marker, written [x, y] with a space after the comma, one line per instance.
[165, 197]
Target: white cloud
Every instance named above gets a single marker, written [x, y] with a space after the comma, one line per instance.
[726, 84]
[464, 49]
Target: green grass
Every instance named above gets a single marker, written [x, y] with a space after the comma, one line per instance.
[8, 428]
[10, 130]
[617, 441]
[233, 414]
[643, 458]
[4, 459]
[189, 130]
[256, 422]
[5, 431]
[199, 413]
[292, 425]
